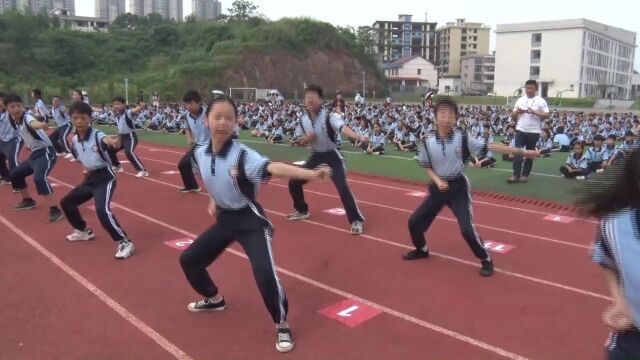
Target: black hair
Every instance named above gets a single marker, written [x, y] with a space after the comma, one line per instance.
[80, 107]
[313, 89]
[119, 99]
[213, 102]
[612, 136]
[79, 92]
[37, 93]
[11, 98]
[613, 190]
[56, 97]
[446, 102]
[192, 95]
[531, 82]
[579, 143]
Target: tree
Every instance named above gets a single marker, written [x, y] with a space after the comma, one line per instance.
[242, 10]
[129, 22]
[367, 39]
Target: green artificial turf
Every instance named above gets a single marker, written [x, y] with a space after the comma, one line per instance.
[545, 182]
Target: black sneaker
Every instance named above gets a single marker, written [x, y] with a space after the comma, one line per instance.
[55, 216]
[25, 205]
[284, 340]
[487, 268]
[415, 254]
[207, 305]
[187, 190]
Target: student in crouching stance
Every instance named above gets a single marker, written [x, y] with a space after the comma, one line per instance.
[232, 174]
[99, 182]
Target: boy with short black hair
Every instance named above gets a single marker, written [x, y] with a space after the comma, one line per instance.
[128, 136]
[10, 144]
[40, 162]
[99, 182]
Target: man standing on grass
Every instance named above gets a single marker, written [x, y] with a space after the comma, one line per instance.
[529, 112]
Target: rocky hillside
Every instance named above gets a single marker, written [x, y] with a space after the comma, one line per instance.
[331, 69]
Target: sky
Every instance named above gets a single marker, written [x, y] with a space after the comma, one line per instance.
[618, 13]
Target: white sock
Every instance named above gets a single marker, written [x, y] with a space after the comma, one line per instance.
[424, 248]
[283, 325]
[216, 298]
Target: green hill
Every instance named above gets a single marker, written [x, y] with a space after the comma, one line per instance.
[168, 57]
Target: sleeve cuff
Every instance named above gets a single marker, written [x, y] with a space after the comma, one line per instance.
[264, 175]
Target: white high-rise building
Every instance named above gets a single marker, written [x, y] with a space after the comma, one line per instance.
[206, 9]
[37, 6]
[110, 9]
[171, 9]
[6, 5]
[572, 58]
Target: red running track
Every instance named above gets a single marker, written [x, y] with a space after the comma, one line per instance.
[545, 302]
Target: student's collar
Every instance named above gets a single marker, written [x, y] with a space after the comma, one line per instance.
[200, 111]
[86, 136]
[224, 151]
[448, 137]
[21, 118]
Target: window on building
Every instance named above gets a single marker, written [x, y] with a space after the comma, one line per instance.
[489, 77]
[478, 68]
[534, 72]
[477, 77]
[419, 71]
[535, 56]
[463, 46]
[536, 39]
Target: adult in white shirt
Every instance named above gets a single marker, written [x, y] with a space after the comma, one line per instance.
[529, 112]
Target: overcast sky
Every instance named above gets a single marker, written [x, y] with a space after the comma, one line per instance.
[619, 13]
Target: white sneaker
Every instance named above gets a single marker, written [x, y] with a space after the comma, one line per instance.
[284, 340]
[78, 235]
[69, 156]
[59, 154]
[142, 174]
[117, 169]
[73, 159]
[357, 227]
[125, 249]
[580, 178]
[600, 171]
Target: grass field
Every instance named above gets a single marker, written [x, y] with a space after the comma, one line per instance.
[545, 183]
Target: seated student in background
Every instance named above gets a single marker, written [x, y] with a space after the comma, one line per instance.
[592, 134]
[261, 129]
[298, 135]
[484, 158]
[512, 143]
[509, 136]
[596, 154]
[363, 133]
[562, 140]
[544, 144]
[611, 151]
[628, 145]
[576, 166]
[395, 132]
[377, 141]
[407, 141]
[277, 135]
